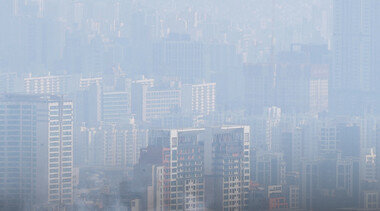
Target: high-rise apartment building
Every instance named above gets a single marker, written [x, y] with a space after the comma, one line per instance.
[10, 83]
[60, 146]
[111, 145]
[198, 98]
[50, 84]
[153, 103]
[183, 185]
[86, 82]
[228, 176]
[200, 169]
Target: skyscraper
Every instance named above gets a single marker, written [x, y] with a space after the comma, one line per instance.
[60, 164]
[179, 57]
[36, 155]
[200, 168]
[183, 186]
[355, 52]
[19, 145]
[259, 87]
[228, 177]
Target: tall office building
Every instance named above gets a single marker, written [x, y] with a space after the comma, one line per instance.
[37, 151]
[224, 66]
[292, 87]
[151, 103]
[90, 100]
[161, 102]
[356, 48]
[116, 107]
[117, 99]
[319, 89]
[346, 45]
[328, 140]
[284, 85]
[377, 153]
[349, 138]
[20, 144]
[347, 177]
[270, 169]
[331, 174]
[370, 47]
[259, 84]
[309, 182]
[179, 57]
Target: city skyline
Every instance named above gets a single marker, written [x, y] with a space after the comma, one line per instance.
[134, 105]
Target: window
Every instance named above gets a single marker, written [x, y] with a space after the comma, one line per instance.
[66, 180]
[54, 154]
[66, 175]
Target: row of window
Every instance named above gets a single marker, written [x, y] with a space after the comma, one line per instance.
[65, 133]
[63, 175]
[66, 143]
[66, 185]
[65, 159]
[58, 117]
[65, 138]
[64, 180]
[55, 149]
[17, 106]
[52, 123]
[52, 155]
[63, 196]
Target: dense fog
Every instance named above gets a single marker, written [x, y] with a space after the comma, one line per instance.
[232, 105]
